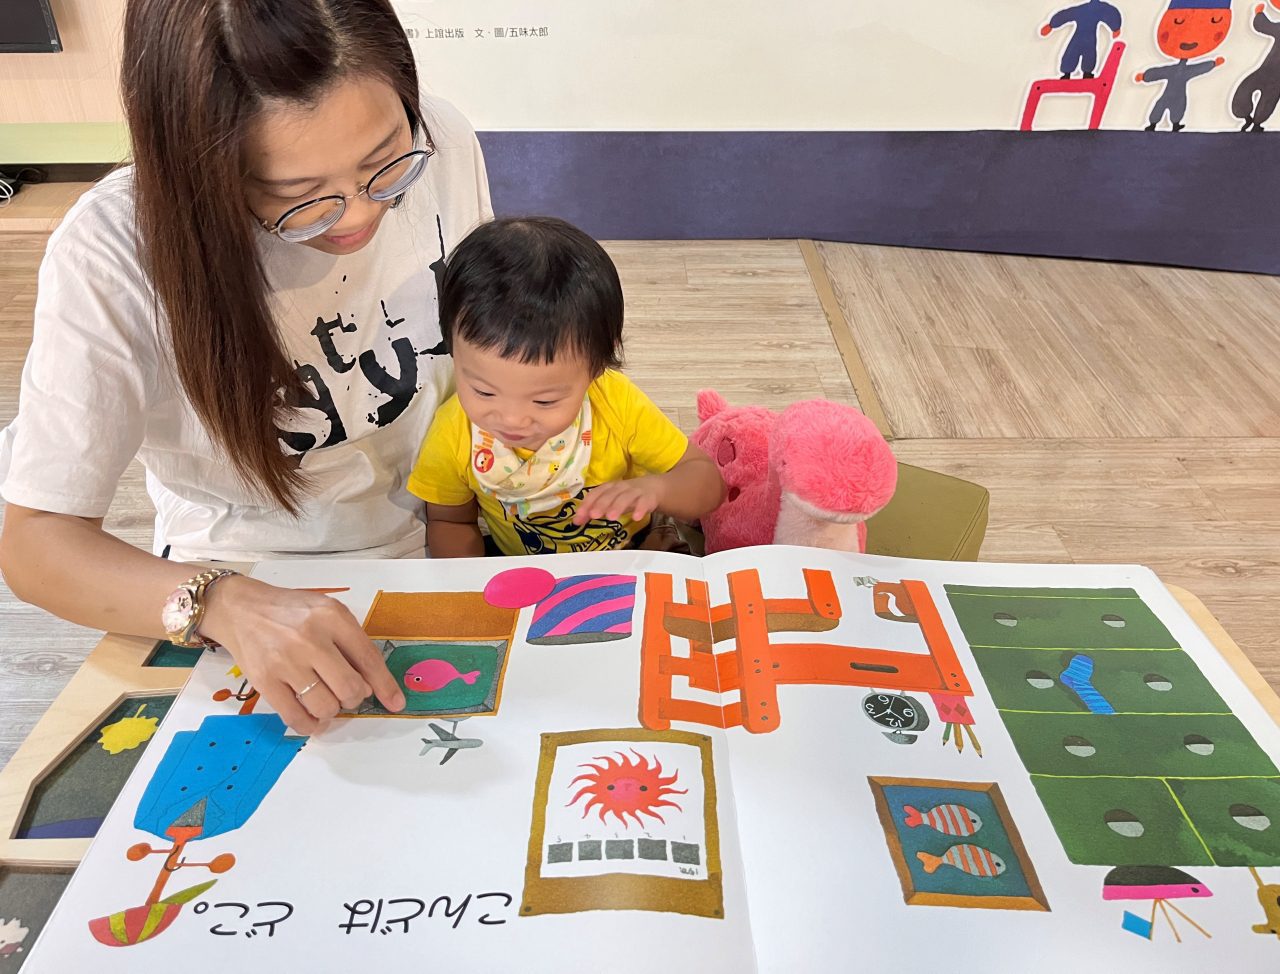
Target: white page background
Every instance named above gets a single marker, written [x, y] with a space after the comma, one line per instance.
[568, 823]
[359, 815]
[821, 880]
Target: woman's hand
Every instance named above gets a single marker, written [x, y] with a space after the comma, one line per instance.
[284, 640]
[303, 651]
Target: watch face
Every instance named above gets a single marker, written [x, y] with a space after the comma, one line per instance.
[177, 611]
[892, 710]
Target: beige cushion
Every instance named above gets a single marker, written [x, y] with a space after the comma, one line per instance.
[931, 516]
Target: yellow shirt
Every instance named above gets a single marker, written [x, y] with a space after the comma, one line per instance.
[630, 437]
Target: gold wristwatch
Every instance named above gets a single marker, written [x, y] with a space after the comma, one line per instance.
[184, 609]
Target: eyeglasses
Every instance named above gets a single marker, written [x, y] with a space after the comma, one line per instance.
[310, 219]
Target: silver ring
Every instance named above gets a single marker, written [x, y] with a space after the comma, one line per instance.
[307, 689]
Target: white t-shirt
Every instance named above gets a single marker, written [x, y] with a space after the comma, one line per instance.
[100, 384]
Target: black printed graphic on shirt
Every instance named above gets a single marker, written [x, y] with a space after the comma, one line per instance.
[344, 393]
[553, 532]
[437, 268]
[316, 398]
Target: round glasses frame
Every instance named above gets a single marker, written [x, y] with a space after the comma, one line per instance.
[377, 194]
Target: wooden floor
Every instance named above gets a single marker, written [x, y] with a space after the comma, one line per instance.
[738, 317]
[1117, 413]
[40, 207]
[973, 345]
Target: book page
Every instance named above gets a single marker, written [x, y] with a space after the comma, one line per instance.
[520, 817]
[992, 768]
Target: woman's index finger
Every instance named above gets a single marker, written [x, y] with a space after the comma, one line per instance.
[364, 656]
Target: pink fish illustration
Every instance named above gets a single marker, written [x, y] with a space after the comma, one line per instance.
[435, 674]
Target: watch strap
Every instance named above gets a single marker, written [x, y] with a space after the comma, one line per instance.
[198, 586]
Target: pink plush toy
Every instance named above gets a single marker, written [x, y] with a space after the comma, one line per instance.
[810, 475]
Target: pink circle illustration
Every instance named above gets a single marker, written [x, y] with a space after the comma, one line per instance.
[517, 588]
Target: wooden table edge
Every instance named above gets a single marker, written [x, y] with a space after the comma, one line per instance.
[1231, 652]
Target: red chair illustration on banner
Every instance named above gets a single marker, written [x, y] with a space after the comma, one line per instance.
[1100, 87]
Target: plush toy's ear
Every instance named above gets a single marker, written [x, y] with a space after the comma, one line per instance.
[710, 402]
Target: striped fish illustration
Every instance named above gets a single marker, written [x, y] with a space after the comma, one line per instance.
[947, 819]
[971, 859]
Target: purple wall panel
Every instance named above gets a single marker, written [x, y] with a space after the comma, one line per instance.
[1191, 199]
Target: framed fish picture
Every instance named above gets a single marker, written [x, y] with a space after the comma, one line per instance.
[447, 650]
[954, 843]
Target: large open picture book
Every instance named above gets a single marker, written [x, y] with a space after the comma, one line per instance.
[771, 759]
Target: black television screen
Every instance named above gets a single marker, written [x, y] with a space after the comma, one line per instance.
[27, 26]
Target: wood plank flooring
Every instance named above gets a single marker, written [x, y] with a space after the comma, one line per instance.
[740, 317]
[1116, 413]
[1203, 513]
[40, 208]
[977, 345]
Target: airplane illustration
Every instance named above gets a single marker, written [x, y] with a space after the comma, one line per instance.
[448, 740]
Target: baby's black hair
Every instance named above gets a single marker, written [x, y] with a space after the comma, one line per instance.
[532, 288]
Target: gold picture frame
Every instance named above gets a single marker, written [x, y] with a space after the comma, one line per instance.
[1035, 899]
[620, 891]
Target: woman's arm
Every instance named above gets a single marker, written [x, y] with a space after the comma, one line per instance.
[282, 639]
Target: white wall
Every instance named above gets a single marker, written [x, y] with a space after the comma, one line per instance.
[79, 84]
[798, 65]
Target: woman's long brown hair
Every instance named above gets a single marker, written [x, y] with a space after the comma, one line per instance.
[195, 74]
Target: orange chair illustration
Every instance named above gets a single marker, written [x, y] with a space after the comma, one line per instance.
[1100, 87]
[758, 665]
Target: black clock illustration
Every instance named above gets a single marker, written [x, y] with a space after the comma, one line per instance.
[904, 716]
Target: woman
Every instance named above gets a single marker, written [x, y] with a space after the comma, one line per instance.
[251, 310]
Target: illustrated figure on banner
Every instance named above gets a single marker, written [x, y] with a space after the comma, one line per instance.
[1081, 52]
[1256, 97]
[1189, 28]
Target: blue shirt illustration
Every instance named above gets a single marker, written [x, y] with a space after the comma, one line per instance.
[1173, 99]
[1189, 28]
[1082, 49]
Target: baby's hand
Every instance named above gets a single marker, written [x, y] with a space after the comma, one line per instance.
[639, 498]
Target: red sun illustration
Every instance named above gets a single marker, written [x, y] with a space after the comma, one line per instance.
[625, 787]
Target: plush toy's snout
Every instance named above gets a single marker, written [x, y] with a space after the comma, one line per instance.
[810, 476]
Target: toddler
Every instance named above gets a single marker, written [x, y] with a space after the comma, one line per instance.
[555, 449]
